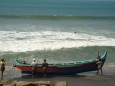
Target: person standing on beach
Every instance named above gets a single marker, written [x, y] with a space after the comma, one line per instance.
[2, 66]
[34, 68]
[45, 66]
[98, 56]
[100, 64]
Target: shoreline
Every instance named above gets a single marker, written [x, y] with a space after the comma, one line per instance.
[74, 80]
[81, 79]
[13, 72]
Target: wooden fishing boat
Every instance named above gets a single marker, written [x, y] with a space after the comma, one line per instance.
[67, 68]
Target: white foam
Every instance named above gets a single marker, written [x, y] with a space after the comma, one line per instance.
[30, 41]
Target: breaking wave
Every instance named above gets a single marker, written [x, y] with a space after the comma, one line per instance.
[49, 40]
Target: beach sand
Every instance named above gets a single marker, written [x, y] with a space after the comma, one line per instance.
[82, 79]
[76, 80]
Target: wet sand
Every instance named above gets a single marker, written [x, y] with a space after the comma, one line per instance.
[76, 80]
[82, 79]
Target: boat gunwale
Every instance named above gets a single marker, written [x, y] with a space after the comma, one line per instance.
[66, 64]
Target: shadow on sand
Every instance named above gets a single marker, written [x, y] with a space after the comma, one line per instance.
[52, 76]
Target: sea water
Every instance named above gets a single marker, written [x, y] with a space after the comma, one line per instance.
[58, 30]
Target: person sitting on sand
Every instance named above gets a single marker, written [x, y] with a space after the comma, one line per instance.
[45, 66]
[100, 64]
[34, 68]
[2, 66]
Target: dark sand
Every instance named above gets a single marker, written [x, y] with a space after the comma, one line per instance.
[76, 80]
[82, 79]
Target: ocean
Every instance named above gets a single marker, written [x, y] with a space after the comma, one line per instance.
[58, 30]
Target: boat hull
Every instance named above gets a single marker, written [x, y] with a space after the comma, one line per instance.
[63, 69]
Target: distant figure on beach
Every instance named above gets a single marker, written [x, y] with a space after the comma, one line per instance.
[98, 56]
[2, 66]
[34, 68]
[100, 64]
[45, 66]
